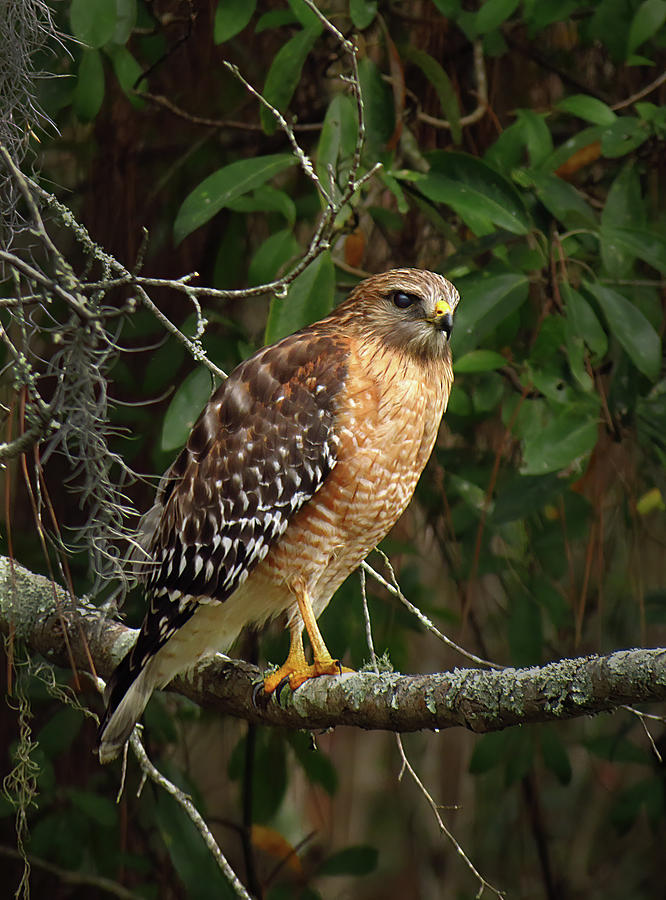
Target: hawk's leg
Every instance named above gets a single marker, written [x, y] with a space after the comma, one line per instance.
[295, 668]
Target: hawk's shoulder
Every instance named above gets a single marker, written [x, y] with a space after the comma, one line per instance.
[262, 446]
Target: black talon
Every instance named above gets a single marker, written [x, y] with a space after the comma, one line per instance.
[339, 665]
[280, 687]
[259, 686]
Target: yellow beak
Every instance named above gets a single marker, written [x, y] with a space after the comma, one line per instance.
[443, 317]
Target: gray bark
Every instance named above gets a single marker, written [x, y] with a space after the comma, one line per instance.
[40, 613]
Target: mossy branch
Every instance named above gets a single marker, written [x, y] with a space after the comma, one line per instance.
[481, 700]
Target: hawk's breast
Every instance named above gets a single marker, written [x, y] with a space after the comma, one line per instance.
[387, 423]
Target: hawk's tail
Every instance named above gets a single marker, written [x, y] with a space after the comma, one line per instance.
[126, 695]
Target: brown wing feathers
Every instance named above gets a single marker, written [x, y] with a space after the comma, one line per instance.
[261, 448]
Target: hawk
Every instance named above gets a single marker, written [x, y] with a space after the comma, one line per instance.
[298, 466]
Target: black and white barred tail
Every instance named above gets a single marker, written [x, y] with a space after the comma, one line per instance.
[126, 696]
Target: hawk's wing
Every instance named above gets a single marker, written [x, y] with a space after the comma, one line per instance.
[262, 447]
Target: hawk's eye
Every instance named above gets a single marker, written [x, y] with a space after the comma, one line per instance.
[403, 300]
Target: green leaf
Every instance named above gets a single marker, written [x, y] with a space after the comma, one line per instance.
[266, 199]
[95, 807]
[539, 14]
[576, 356]
[615, 748]
[624, 204]
[93, 21]
[488, 392]
[635, 59]
[569, 436]
[269, 757]
[378, 103]
[285, 73]
[359, 860]
[448, 98]
[271, 256]
[338, 137]
[316, 764]
[554, 754]
[276, 18]
[488, 752]
[478, 193]
[89, 90]
[493, 13]
[362, 12]
[588, 108]
[486, 300]
[623, 136]
[193, 864]
[628, 803]
[127, 70]
[566, 150]
[228, 183]
[508, 150]
[304, 14]
[525, 495]
[649, 246]
[647, 21]
[520, 755]
[562, 200]
[60, 731]
[609, 24]
[478, 361]
[125, 20]
[231, 17]
[584, 322]
[536, 134]
[633, 331]
[449, 8]
[309, 298]
[471, 494]
[394, 187]
[655, 115]
[184, 409]
[459, 402]
[524, 630]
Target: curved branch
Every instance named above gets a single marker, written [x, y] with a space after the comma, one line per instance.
[477, 699]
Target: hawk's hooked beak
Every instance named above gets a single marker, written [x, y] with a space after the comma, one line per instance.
[443, 317]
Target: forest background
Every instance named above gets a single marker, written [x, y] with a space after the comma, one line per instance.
[518, 149]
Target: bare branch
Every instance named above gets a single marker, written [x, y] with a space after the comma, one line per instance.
[75, 879]
[481, 93]
[22, 443]
[479, 700]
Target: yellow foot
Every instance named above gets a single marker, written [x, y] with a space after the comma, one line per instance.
[297, 675]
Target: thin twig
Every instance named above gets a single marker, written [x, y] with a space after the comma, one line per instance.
[190, 809]
[641, 716]
[159, 100]
[642, 93]
[299, 153]
[406, 765]
[76, 879]
[481, 93]
[394, 588]
[368, 623]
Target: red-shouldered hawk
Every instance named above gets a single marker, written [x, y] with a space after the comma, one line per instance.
[298, 466]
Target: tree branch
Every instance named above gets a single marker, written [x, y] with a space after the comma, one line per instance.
[477, 699]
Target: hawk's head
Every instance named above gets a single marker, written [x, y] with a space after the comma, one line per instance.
[409, 309]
